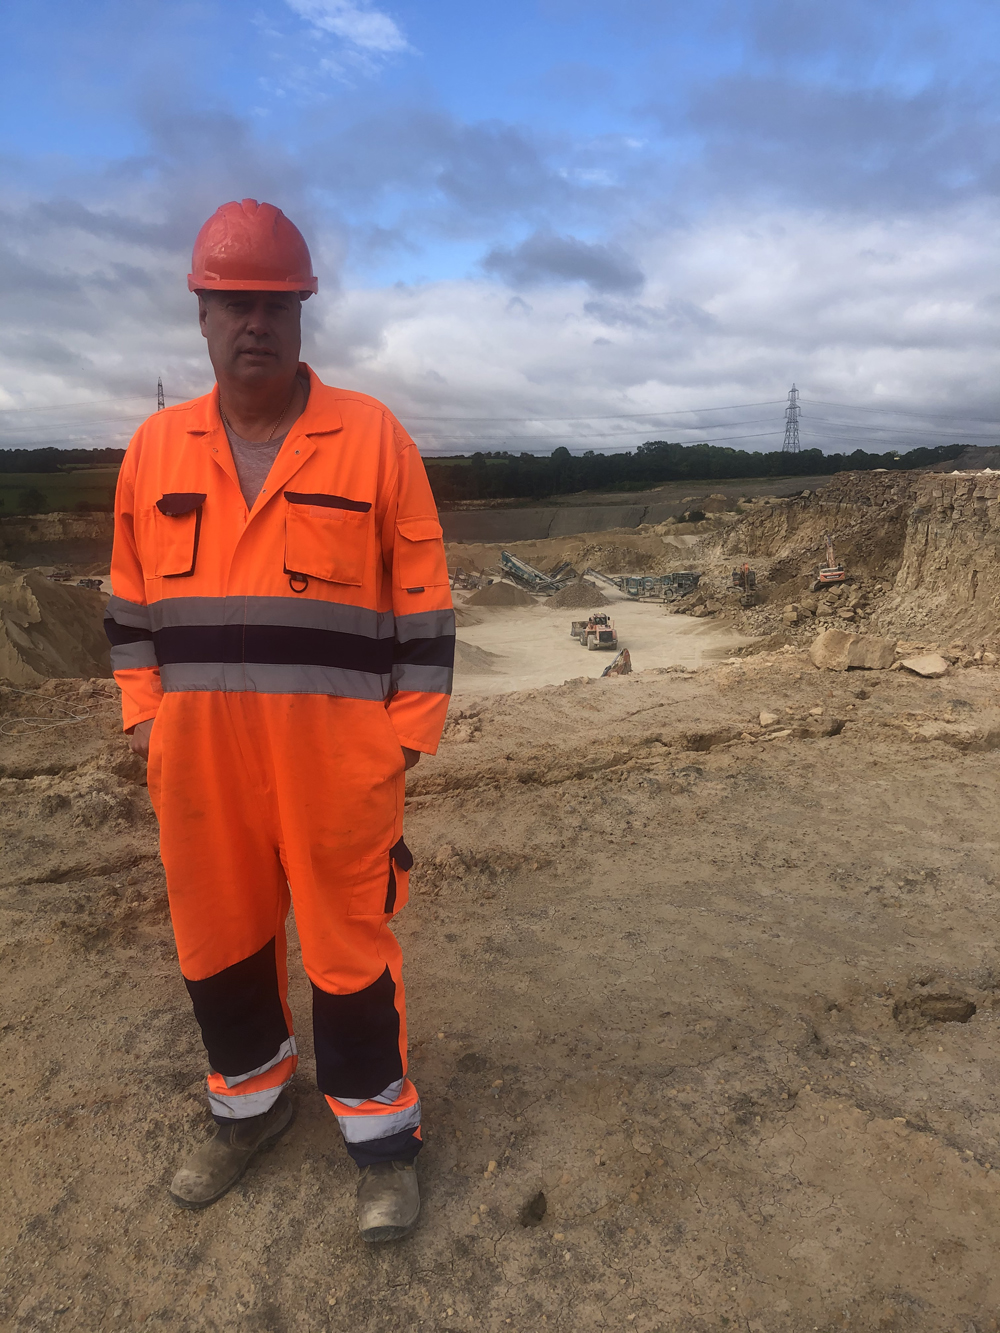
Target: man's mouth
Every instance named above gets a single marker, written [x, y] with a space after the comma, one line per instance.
[256, 351]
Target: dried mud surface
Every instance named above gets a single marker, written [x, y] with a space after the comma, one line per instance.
[725, 994]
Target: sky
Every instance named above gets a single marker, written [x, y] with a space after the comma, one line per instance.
[535, 224]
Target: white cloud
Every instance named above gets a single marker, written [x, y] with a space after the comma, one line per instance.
[369, 30]
[895, 312]
[885, 314]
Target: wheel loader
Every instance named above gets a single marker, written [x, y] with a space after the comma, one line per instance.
[598, 631]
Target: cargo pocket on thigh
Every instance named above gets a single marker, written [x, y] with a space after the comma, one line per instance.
[387, 889]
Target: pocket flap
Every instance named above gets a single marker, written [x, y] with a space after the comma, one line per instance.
[177, 503]
[402, 855]
[328, 501]
[419, 529]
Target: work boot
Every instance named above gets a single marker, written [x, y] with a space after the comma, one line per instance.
[388, 1201]
[217, 1165]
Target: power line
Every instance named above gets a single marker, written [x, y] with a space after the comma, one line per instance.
[582, 439]
[615, 416]
[884, 411]
[93, 402]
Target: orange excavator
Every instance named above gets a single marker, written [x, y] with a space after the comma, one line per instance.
[831, 572]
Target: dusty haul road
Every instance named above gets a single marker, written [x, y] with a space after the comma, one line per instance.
[728, 1002]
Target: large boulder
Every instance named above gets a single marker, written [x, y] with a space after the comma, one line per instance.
[839, 650]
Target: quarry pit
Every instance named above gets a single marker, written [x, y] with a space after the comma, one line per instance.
[702, 966]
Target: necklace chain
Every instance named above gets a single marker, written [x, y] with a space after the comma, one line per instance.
[270, 434]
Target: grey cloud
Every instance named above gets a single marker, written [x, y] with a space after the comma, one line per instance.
[842, 148]
[675, 314]
[546, 257]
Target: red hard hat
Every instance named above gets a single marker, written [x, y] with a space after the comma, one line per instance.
[251, 247]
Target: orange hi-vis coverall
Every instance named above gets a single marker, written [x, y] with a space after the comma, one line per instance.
[287, 653]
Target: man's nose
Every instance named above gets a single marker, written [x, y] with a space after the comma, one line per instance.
[258, 324]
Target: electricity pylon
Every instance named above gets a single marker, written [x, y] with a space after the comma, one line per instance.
[791, 444]
[160, 400]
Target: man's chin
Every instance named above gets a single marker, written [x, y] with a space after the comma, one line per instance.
[259, 369]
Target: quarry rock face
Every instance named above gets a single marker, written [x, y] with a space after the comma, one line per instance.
[951, 560]
[839, 650]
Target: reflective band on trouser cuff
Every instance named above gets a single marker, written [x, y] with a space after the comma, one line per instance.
[363, 1121]
[249, 1094]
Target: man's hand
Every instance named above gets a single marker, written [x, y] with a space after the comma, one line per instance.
[138, 741]
[412, 757]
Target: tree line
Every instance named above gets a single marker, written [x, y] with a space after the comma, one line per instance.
[502, 476]
[507, 476]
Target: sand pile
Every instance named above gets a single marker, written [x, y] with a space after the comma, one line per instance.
[49, 629]
[463, 617]
[473, 661]
[501, 594]
[579, 594]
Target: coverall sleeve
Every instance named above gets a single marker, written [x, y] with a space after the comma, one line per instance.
[127, 619]
[424, 648]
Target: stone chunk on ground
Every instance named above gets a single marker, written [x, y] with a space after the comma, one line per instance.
[839, 650]
[930, 664]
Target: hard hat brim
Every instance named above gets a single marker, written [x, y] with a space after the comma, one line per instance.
[211, 283]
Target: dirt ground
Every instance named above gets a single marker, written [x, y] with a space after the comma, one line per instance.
[725, 994]
[532, 646]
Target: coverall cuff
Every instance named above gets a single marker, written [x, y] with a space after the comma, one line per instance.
[142, 695]
[418, 719]
[135, 722]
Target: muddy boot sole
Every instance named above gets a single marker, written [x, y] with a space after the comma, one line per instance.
[195, 1205]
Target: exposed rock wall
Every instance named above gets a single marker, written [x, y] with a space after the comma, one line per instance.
[864, 512]
[950, 572]
[57, 538]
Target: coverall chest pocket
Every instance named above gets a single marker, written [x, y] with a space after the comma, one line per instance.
[176, 529]
[326, 537]
[419, 556]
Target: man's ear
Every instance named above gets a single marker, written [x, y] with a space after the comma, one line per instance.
[202, 313]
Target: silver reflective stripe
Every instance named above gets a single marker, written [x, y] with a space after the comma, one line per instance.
[239, 1107]
[387, 1095]
[297, 612]
[128, 613]
[425, 625]
[364, 1128]
[286, 1049]
[127, 656]
[422, 679]
[273, 678]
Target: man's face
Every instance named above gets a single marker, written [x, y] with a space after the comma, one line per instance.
[253, 337]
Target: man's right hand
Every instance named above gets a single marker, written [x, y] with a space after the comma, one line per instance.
[138, 741]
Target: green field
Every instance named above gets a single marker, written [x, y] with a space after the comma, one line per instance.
[83, 488]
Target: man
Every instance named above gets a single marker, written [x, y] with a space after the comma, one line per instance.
[282, 632]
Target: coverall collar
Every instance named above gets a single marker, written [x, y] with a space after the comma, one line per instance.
[321, 416]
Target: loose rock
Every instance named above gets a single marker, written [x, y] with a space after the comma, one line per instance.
[838, 650]
[931, 665]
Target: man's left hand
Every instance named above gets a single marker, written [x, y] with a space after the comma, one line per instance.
[411, 757]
